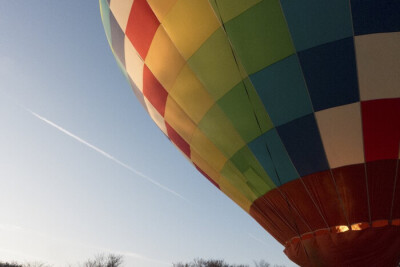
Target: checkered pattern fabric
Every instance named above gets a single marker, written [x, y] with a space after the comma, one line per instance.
[289, 107]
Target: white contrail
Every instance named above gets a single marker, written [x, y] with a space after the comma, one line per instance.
[257, 239]
[105, 154]
[139, 257]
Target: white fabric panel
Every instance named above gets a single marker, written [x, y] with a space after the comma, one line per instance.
[341, 134]
[157, 118]
[378, 64]
[121, 10]
[134, 64]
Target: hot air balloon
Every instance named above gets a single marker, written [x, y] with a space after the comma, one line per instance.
[289, 107]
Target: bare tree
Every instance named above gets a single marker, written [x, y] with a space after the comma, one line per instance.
[206, 263]
[36, 264]
[101, 261]
[10, 264]
[261, 263]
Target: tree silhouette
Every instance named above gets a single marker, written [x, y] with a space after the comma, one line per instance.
[207, 263]
[101, 261]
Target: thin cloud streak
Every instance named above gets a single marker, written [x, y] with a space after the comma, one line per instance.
[257, 239]
[105, 154]
[140, 257]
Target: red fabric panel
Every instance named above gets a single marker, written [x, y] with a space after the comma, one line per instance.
[205, 175]
[154, 91]
[178, 140]
[396, 203]
[303, 204]
[381, 128]
[271, 212]
[141, 27]
[322, 189]
[381, 176]
[352, 188]
[369, 247]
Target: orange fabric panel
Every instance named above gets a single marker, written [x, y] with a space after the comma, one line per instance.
[271, 212]
[322, 189]
[352, 187]
[303, 204]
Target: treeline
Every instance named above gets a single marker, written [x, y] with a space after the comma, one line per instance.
[117, 261]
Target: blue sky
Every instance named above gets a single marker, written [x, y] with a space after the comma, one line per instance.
[84, 170]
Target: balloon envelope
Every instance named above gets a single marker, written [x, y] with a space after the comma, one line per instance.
[290, 107]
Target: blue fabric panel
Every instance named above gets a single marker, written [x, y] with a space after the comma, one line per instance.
[330, 73]
[272, 155]
[373, 16]
[315, 22]
[303, 143]
[117, 39]
[282, 89]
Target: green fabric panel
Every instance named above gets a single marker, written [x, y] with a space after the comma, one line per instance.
[262, 116]
[239, 181]
[105, 17]
[246, 163]
[255, 182]
[214, 65]
[238, 108]
[260, 36]
[228, 9]
[219, 129]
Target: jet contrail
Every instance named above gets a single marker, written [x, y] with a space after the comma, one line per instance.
[105, 154]
[257, 239]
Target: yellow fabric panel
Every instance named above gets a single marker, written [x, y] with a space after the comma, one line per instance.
[121, 11]
[341, 134]
[378, 65]
[134, 64]
[161, 7]
[236, 178]
[235, 194]
[204, 166]
[219, 129]
[157, 118]
[179, 120]
[190, 95]
[207, 150]
[189, 24]
[163, 59]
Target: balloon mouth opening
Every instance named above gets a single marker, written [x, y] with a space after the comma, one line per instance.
[359, 244]
[342, 229]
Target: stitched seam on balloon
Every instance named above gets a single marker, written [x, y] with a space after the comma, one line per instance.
[237, 64]
[361, 114]
[394, 186]
[284, 195]
[319, 132]
[139, 56]
[189, 141]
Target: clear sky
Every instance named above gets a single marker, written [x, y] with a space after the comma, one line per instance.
[84, 170]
